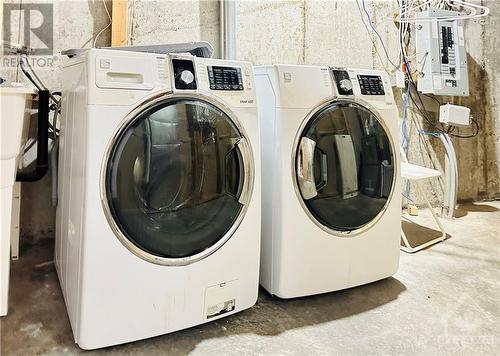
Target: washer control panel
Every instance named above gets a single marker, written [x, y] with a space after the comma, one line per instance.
[225, 78]
[184, 74]
[371, 85]
[342, 80]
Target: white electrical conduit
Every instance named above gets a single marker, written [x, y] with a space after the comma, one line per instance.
[445, 208]
[448, 177]
[453, 198]
[450, 198]
[227, 29]
[222, 32]
[54, 153]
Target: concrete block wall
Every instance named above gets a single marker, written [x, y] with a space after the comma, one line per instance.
[303, 32]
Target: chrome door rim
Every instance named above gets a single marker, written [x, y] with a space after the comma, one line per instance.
[323, 105]
[246, 192]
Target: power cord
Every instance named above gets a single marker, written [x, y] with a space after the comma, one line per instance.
[108, 25]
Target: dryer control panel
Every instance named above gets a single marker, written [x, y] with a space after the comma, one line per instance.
[371, 85]
[225, 78]
[342, 80]
[228, 80]
[184, 74]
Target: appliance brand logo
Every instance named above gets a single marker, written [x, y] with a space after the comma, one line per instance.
[30, 25]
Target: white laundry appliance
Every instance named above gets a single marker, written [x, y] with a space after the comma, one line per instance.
[158, 219]
[15, 105]
[332, 203]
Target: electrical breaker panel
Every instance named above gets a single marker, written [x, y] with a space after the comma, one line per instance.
[441, 55]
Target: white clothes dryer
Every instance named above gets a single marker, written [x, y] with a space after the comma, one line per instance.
[332, 203]
[158, 220]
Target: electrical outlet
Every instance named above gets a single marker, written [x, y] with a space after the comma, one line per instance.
[412, 210]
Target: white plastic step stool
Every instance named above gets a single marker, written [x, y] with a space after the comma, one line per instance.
[417, 174]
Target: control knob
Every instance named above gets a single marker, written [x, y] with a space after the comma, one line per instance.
[345, 85]
[187, 77]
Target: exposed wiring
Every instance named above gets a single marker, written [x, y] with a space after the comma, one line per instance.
[34, 73]
[406, 196]
[375, 47]
[105, 28]
[420, 106]
[434, 98]
[378, 35]
[38, 82]
[467, 10]
[411, 97]
[18, 36]
[429, 133]
[406, 104]
[428, 118]
[28, 75]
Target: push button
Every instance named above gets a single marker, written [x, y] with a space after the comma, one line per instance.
[104, 63]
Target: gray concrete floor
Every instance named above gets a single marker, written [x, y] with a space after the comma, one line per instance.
[443, 300]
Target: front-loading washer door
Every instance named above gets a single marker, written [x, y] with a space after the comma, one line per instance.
[176, 180]
[344, 167]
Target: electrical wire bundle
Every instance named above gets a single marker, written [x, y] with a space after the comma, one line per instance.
[37, 82]
[407, 8]
[468, 10]
[412, 100]
[411, 87]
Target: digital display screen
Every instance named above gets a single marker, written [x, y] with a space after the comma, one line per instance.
[371, 85]
[225, 78]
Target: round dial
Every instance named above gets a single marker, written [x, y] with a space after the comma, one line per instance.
[187, 77]
[345, 85]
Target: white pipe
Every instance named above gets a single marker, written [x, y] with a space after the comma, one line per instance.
[53, 169]
[447, 180]
[222, 29]
[228, 29]
[453, 178]
[451, 171]
[454, 195]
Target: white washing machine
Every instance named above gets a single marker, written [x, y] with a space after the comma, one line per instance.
[158, 220]
[331, 205]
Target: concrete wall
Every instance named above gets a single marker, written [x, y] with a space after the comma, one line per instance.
[298, 31]
[332, 32]
[75, 23]
[155, 22]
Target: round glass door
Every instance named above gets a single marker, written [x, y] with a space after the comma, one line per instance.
[344, 166]
[174, 180]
